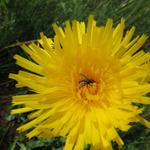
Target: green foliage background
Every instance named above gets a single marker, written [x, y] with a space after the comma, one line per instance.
[23, 20]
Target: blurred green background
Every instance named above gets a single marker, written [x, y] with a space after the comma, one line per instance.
[23, 20]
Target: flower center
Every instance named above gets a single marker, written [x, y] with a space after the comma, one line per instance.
[87, 89]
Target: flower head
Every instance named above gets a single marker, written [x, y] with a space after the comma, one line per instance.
[86, 82]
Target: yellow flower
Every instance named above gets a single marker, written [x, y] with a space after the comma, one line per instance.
[86, 82]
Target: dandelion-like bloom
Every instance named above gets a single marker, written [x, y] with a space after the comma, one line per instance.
[86, 83]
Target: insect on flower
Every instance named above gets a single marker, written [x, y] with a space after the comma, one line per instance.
[85, 81]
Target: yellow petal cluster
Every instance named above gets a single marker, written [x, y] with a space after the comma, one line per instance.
[85, 84]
